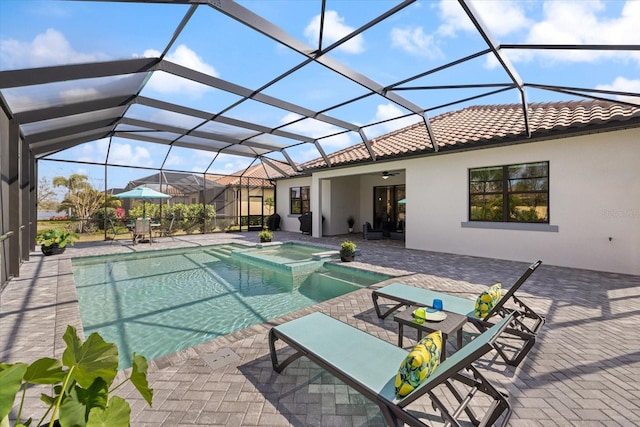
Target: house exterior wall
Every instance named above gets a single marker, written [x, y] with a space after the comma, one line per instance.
[345, 201]
[288, 222]
[594, 196]
[594, 211]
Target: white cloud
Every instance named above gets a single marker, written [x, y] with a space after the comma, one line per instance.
[90, 152]
[168, 83]
[174, 160]
[563, 22]
[226, 164]
[415, 42]
[581, 23]
[175, 119]
[47, 49]
[389, 112]
[198, 160]
[125, 154]
[308, 153]
[19, 102]
[453, 19]
[317, 129]
[501, 17]
[79, 94]
[334, 29]
[622, 84]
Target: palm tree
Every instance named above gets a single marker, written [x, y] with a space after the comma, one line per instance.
[81, 200]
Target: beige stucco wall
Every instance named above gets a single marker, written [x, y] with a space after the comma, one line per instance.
[594, 196]
[288, 222]
[594, 202]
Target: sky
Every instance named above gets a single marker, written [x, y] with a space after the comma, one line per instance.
[423, 36]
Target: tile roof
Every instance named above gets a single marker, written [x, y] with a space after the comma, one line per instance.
[489, 125]
[254, 175]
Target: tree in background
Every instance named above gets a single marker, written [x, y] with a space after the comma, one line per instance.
[270, 203]
[46, 196]
[81, 199]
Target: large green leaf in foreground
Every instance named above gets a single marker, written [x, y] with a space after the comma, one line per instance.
[139, 378]
[90, 360]
[11, 380]
[117, 414]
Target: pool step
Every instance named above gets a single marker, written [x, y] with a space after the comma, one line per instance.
[222, 251]
[326, 254]
[337, 279]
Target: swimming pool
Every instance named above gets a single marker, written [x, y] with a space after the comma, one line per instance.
[156, 303]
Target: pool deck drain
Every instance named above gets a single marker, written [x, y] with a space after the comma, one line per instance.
[220, 358]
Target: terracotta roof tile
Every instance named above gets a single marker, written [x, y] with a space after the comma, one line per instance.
[255, 175]
[486, 125]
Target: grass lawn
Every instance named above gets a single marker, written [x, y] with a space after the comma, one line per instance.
[121, 232]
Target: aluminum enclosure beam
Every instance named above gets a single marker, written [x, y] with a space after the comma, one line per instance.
[162, 105]
[31, 116]
[265, 27]
[199, 134]
[473, 15]
[215, 82]
[61, 73]
[49, 147]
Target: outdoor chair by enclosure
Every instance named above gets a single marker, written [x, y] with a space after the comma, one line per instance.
[370, 364]
[142, 229]
[118, 229]
[165, 232]
[368, 233]
[525, 328]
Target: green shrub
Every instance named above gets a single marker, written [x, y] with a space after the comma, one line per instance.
[265, 235]
[56, 236]
[348, 247]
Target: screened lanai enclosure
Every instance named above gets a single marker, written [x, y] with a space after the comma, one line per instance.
[239, 203]
[215, 101]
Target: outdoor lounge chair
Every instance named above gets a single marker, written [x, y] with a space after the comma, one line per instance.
[368, 233]
[525, 328]
[370, 364]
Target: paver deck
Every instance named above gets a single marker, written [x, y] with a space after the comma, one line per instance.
[584, 370]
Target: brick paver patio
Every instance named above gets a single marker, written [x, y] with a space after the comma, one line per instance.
[583, 371]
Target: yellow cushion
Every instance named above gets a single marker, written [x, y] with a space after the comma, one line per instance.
[421, 361]
[487, 300]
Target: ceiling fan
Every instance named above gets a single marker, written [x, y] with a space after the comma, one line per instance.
[386, 175]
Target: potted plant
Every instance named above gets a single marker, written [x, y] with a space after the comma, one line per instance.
[81, 382]
[350, 221]
[265, 236]
[347, 251]
[54, 240]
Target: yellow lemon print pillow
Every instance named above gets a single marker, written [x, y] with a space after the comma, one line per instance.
[421, 361]
[487, 300]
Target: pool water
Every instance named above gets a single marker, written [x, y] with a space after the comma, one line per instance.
[157, 303]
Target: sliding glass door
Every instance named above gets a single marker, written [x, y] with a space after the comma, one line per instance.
[388, 214]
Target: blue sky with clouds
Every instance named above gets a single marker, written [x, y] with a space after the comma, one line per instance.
[420, 37]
